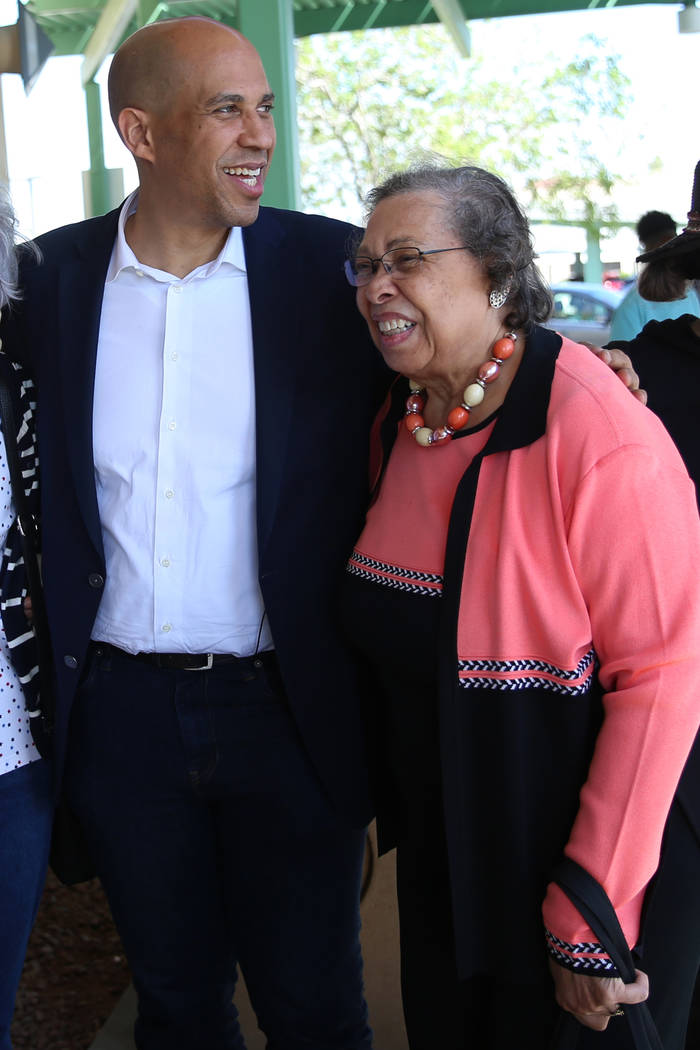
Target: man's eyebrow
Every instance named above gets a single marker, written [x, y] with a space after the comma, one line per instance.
[224, 98]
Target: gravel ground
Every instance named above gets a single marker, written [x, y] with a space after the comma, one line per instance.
[74, 973]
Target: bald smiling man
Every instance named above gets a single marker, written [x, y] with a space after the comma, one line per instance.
[206, 393]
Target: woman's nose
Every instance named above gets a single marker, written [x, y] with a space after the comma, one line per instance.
[380, 285]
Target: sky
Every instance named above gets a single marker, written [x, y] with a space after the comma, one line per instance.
[47, 146]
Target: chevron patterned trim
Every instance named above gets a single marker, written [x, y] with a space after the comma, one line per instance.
[586, 957]
[524, 674]
[398, 578]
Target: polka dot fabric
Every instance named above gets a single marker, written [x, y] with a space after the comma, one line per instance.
[16, 745]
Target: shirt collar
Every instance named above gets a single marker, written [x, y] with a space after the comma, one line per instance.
[231, 257]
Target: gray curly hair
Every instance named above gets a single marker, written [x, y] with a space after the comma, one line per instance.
[488, 220]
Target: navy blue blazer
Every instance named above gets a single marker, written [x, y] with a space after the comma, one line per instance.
[318, 383]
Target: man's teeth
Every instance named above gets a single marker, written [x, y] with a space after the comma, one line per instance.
[395, 325]
[250, 175]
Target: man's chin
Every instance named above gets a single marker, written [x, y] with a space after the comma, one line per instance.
[245, 215]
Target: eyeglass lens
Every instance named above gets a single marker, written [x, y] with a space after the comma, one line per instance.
[398, 261]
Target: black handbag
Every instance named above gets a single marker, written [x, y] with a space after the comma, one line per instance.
[69, 857]
[593, 903]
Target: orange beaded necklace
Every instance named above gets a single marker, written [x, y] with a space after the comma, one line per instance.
[473, 396]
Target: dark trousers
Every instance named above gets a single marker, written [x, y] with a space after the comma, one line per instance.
[217, 846]
[26, 811]
[485, 1013]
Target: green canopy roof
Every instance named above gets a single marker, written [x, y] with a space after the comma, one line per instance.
[70, 23]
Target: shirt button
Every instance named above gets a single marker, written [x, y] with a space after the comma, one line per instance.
[139, 273]
[167, 627]
[169, 493]
[172, 425]
[165, 562]
[96, 580]
[70, 661]
[177, 288]
[174, 356]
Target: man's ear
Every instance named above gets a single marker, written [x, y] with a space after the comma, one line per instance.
[135, 130]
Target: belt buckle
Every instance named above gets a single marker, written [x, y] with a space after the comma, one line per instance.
[206, 667]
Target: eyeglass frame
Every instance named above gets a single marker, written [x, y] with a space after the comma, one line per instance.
[350, 274]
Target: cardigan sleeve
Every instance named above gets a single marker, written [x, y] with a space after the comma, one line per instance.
[634, 542]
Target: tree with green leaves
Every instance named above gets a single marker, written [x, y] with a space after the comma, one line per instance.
[371, 102]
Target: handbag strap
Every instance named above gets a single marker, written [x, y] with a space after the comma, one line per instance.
[593, 903]
[28, 532]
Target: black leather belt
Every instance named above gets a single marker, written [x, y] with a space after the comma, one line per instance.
[191, 661]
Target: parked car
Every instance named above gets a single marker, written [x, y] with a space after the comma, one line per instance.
[583, 312]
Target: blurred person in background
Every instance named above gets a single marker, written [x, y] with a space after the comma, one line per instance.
[654, 229]
[667, 356]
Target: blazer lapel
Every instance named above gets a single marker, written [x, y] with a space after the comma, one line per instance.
[276, 344]
[80, 289]
[273, 292]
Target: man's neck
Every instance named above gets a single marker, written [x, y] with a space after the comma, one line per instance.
[169, 246]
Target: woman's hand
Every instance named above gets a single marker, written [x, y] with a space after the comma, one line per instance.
[594, 1000]
[622, 366]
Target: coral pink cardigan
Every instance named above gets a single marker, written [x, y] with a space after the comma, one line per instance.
[567, 541]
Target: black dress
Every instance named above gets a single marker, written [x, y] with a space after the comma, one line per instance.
[395, 635]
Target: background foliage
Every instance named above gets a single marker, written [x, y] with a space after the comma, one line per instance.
[371, 102]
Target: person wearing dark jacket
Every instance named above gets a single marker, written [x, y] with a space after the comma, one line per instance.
[667, 356]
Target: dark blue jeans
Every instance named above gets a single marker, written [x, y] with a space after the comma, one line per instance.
[216, 845]
[26, 812]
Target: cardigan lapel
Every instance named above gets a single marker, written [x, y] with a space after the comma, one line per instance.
[522, 418]
[274, 290]
[80, 291]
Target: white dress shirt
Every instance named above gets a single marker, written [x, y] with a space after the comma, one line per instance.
[174, 449]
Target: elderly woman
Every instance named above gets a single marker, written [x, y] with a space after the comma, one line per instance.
[526, 592]
[26, 807]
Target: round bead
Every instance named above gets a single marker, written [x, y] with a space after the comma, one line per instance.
[412, 421]
[415, 403]
[503, 348]
[473, 395]
[489, 371]
[423, 435]
[458, 417]
[441, 434]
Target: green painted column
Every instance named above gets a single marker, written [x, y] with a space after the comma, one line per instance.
[270, 26]
[103, 188]
[593, 268]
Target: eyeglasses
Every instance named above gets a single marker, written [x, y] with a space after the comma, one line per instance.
[399, 262]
